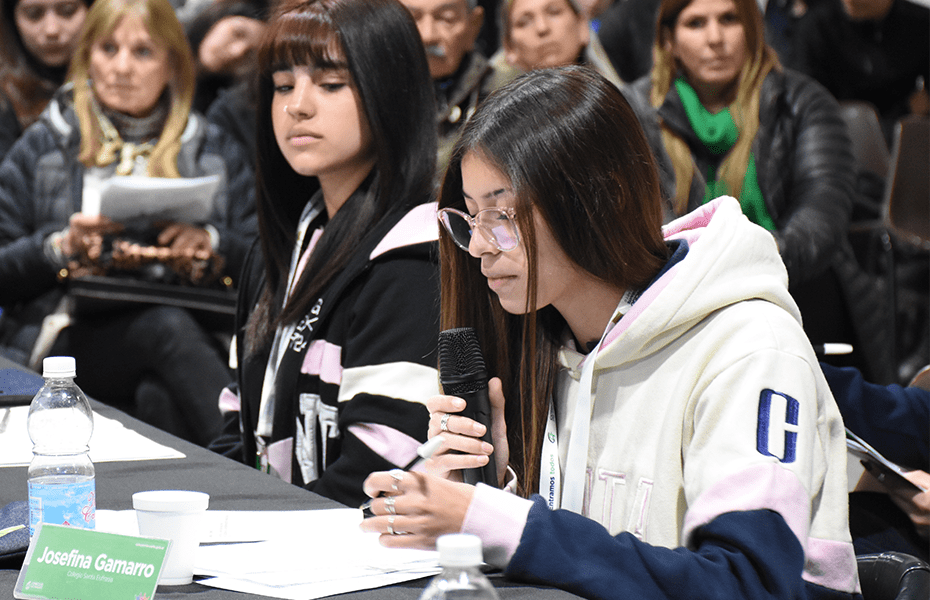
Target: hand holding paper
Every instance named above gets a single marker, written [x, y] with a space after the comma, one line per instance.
[142, 200]
[85, 231]
[186, 240]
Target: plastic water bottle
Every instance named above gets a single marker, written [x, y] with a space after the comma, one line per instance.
[461, 578]
[61, 474]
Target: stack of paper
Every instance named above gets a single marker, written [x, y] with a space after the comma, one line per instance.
[292, 554]
[110, 442]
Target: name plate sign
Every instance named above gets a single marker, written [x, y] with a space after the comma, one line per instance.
[83, 564]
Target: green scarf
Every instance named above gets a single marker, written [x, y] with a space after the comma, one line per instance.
[718, 133]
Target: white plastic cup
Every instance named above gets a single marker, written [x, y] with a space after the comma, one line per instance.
[174, 515]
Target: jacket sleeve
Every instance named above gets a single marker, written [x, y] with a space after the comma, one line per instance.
[750, 554]
[388, 370]
[893, 419]
[25, 272]
[818, 204]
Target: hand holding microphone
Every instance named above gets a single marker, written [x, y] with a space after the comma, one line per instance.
[463, 374]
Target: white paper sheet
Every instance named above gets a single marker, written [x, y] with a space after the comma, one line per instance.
[147, 199]
[110, 442]
[884, 467]
[298, 554]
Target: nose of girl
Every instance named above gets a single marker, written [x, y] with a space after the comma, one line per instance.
[301, 102]
[479, 245]
[51, 26]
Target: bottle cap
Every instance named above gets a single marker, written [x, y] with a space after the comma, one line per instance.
[459, 550]
[58, 366]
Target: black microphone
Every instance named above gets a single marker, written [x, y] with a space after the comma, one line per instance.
[462, 373]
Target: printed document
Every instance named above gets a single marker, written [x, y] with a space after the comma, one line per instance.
[294, 555]
[142, 200]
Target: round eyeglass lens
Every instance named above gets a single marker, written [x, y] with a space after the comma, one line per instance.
[458, 228]
[504, 232]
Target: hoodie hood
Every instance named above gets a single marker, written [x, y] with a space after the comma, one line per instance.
[729, 260]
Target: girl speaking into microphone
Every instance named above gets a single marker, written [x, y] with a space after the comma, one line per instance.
[667, 429]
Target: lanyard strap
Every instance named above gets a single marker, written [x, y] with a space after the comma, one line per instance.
[572, 496]
[550, 476]
[282, 334]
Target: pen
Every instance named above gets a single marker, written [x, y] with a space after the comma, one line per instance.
[424, 452]
[832, 349]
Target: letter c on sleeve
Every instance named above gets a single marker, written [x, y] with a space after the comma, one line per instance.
[789, 425]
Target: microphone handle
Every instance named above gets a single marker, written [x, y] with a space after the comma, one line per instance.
[478, 408]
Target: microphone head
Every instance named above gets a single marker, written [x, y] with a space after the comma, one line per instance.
[460, 361]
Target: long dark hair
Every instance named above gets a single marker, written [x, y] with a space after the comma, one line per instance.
[27, 83]
[379, 43]
[575, 154]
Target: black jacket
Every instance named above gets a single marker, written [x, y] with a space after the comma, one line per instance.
[366, 357]
[41, 186]
[804, 165]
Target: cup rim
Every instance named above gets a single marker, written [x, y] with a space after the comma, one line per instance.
[170, 501]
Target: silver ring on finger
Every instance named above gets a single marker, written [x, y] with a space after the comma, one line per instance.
[389, 505]
[444, 422]
[397, 475]
[390, 527]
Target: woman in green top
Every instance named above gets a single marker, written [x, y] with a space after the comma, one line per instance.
[733, 122]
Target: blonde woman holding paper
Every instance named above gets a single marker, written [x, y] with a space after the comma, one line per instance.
[124, 112]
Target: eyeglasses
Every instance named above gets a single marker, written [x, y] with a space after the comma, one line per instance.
[495, 224]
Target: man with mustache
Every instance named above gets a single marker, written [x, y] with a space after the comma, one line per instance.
[461, 75]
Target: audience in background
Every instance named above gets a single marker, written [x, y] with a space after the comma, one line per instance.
[338, 320]
[872, 50]
[224, 39]
[461, 75]
[627, 32]
[593, 9]
[547, 33]
[37, 39]
[669, 429]
[734, 122]
[125, 111]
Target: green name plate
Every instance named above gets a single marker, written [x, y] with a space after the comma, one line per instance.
[65, 563]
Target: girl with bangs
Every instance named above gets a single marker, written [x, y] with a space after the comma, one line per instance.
[660, 426]
[338, 316]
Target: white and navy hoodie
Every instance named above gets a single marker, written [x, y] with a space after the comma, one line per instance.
[716, 466]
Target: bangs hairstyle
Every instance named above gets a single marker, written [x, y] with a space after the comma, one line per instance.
[378, 44]
[162, 24]
[761, 60]
[306, 38]
[575, 154]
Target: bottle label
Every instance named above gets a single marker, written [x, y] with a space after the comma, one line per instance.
[72, 504]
